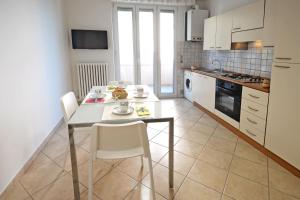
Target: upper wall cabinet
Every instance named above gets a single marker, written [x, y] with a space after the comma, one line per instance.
[217, 32]
[287, 34]
[223, 35]
[249, 17]
[210, 29]
[269, 23]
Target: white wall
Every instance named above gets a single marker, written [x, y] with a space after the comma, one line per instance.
[220, 6]
[34, 73]
[90, 14]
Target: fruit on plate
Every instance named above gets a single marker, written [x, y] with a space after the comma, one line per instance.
[119, 93]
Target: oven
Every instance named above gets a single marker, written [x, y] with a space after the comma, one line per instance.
[228, 98]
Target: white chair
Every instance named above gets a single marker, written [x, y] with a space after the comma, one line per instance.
[117, 141]
[69, 105]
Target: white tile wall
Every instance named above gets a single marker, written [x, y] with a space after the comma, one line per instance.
[254, 61]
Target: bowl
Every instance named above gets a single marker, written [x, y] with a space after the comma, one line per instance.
[119, 93]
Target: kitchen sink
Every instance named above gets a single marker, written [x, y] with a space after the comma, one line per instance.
[214, 71]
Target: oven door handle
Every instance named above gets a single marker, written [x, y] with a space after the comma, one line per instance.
[226, 91]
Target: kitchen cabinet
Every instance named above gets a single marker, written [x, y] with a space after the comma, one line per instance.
[269, 23]
[283, 124]
[249, 17]
[223, 31]
[217, 32]
[210, 29]
[287, 34]
[254, 114]
[204, 89]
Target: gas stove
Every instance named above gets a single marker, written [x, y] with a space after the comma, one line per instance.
[245, 78]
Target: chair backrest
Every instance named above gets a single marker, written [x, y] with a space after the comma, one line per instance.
[119, 137]
[69, 105]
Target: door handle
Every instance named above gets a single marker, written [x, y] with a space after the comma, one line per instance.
[251, 121]
[253, 96]
[253, 109]
[251, 133]
[283, 58]
[281, 66]
[237, 28]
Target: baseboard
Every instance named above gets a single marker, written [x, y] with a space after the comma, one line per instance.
[252, 142]
[36, 153]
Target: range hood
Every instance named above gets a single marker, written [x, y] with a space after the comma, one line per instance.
[241, 40]
[247, 36]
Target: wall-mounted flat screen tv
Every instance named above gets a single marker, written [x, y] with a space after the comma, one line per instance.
[89, 39]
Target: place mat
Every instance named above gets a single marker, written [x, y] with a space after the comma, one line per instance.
[108, 109]
[142, 110]
[93, 100]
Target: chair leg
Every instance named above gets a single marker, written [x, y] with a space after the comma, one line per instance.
[142, 161]
[151, 176]
[90, 184]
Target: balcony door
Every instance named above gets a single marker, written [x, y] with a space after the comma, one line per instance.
[145, 46]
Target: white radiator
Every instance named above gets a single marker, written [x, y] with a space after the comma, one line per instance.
[89, 75]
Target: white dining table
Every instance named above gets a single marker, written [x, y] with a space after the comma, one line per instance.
[88, 114]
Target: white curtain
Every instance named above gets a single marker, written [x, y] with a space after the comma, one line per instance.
[160, 2]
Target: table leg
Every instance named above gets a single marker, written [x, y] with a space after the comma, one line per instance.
[74, 163]
[171, 153]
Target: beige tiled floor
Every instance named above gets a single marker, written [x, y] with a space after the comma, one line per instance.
[210, 163]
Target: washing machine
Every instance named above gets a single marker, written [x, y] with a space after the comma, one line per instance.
[188, 85]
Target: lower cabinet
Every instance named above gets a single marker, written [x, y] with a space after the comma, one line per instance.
[204, 89]
[254, 114]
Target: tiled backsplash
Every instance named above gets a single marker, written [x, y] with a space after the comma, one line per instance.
[188, 53]
[254, 61]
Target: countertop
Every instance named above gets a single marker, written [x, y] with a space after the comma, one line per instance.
[256, 86]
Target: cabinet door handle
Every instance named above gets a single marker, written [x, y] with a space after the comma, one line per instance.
[253, 96]
[237, 28]
[253, 109]
[218, 47]
[251, 121]
[212, 47]
[282, 58]
[251, 133]
[281, 66]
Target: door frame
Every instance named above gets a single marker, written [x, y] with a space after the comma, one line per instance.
[174, 94]
[156, 54]
[155, 71]
[117, 7]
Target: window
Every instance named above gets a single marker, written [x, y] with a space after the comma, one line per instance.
[146, 46]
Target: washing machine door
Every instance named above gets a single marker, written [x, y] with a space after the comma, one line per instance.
[188, 84]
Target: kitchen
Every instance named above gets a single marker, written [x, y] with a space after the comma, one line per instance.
[238, 92]
[212, 83]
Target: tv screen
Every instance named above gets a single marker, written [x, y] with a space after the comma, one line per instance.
[89, 39]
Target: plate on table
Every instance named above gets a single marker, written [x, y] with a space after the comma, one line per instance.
[137, 95]
[117, 111]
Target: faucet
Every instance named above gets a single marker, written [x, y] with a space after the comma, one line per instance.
[220, 65]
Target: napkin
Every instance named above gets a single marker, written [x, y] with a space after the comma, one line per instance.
[142, 111]
[93, 100]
